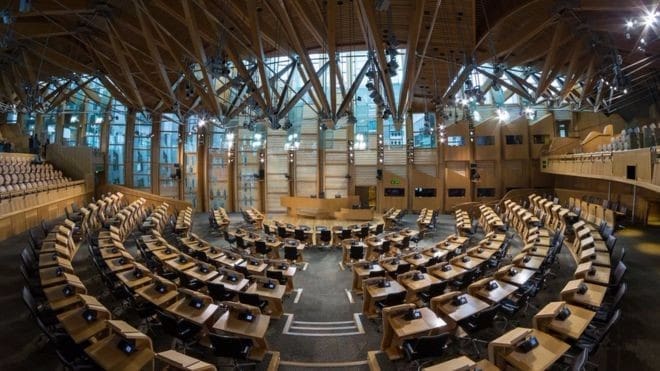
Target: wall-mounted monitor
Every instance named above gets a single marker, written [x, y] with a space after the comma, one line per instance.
[456, 192]
[485, 192]
[425, 192]
[395, 192]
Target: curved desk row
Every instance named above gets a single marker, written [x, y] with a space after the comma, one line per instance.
[317, 207]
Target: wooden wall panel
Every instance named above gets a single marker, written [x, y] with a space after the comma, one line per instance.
[520, 127]
[491, 128]
[366, 176]
[543, 126]
[515, 174]
[422, 180]
[426, 156]
[457, 175]
[461, 153]
[394, 180]
[488, 178]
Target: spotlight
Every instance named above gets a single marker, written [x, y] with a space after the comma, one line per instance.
[502, 114]
[650, 18]
[629, 24]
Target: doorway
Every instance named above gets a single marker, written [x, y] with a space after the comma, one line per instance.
[367, 196]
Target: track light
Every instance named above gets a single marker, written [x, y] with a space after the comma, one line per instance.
[650, 18]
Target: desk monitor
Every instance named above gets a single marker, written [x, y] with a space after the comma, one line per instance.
[446, 268]
[512, 271]
[465, 259]
[492, 285]
[459, 300]
[160, 287]
[283, 266]
[232, 278]
[434, 249]
[196, 302]
[89, 315]
[67, 290]
[384, 283]
[203, 268]
[254, 262]
[182, 259]
[582, 289]
[59, 271]
[269, 285]
[527, 258]
[246, 316]
[127, 346]
[413, 314]
[418, 276]
[527, 344]
[417, 256]
[563, 314]
[137, 272]
[592, 271]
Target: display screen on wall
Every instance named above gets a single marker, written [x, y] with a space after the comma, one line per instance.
[514, 139]
[486, 140]
[541, 139]
[485, 192]
[455, 141]
[456, 192]
[425, 192]
[395, 192]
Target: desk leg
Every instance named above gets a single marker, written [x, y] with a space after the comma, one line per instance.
[289, 285]
[276, 307]
[259, 349]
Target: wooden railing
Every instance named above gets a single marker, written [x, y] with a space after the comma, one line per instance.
[640, 167]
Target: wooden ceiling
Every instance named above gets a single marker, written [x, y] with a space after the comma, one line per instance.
[143, 50]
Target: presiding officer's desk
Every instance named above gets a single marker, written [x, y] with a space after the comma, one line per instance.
[317, 207]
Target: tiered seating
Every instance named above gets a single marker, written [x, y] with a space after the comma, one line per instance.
[184, 221]
[19, 175]
[597, 211]
[463, 223]
[427, 220]
[489, 220]
[633, 138]
[219, 219]
[392, 217]
[157, 220]
[254, 217]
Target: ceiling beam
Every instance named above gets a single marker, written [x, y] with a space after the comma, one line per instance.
[301, 93]
[348, 99]
[414, 29]
[549, 70]
[258, 49]
[368, 20]
[331, 14]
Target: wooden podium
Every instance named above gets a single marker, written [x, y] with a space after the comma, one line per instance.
[317, 207]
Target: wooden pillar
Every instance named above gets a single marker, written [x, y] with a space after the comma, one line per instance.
[440, 162]
[39, 127]
[130, 140]
[320, 160]
[59, 128]
[410, 137]
[155, 153]
[203, 168]
[231, 175]
[82, 124]
[350, 169]
[181, 161]
[379, 166]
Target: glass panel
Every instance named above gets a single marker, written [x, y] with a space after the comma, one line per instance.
[424, 130]
[169, 156]
[193, 132]
[116, 144]
[142, 152]
[221, 142]
[514, 139]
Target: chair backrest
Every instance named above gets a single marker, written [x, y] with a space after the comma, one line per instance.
[266, 229]
[373, 274]
[240, 242]
[249, 299]
[402, 268]
[603, 334]
[281, 231]
[345, 234]
[364, 231]
[620, 293]
[26, 259]
[619, 271]
[438, 288]
[484, 318]
[216, 290]
[299, 234]
[170, 323]
[29, 301]
[405, 242]
[395, 299]
[431, 345]
[357, 252]
[290, 252]
[618, 256]
[580, 361]
[326, 235]
[276, 275]
[386, 245]
[379, 228]
[230, 346]
[260, 246]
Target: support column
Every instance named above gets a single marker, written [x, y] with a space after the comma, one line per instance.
[202, 169]
[320, 161]
[380, 141]
[350, 169]
[155, 153]
[59, 128]
[440, 162]
[130, 139]
[410, 137]
[82, 125]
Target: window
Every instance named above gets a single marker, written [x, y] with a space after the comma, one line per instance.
[424, 130]
[93, 129]
[221, 142]
[514, 139]
[116, 144]
[391, 136]
[70, 129]
[562, 128]
[169, 156]
[142, 152]
[485, 192]
[456, 192]
[190, 160]
[541, 139]
[455, 141]
[487, 140]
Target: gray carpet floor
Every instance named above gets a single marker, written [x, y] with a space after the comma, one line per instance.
[633, 344]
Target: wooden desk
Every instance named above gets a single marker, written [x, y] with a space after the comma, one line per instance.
[598, 258]
[548, 351]
[481, 253]
[415, 286]
[374, 293]
[533, 250]
[593, 298]
[109, 357]
[454, 272]
[496, 295]
[462, 363]
[78, 327]
[519, 279]
[471, 263]
[417, 259]
[52, 260]
[180, 266]
[399, 328]
[255, 330]
[317, 206]
[452, 247]
[235, 286]
[491, 244]
[58, 301]
[572, 327]
[54, 276]
[434, 252]
[354, 214]
[166, 254]
[132, 281]
[534, 262]
[254, 269]
[273, 296]
[287, 273]
[201, 316]
[229, 260]
[455, 313]
[197, 273]
[361, 271]
[150, 294]
[600, 275]
[181, 361]
[457, 239]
